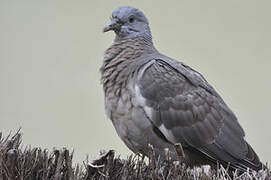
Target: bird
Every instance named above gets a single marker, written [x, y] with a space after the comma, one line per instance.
[153, 99]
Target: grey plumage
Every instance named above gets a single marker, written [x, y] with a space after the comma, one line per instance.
[154, 99]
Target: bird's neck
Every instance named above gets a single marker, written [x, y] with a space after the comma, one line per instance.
[142, 36]
[117, 60]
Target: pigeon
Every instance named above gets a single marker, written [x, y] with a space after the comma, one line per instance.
[155, 100]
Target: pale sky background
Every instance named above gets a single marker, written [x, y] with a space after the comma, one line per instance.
[51, 52]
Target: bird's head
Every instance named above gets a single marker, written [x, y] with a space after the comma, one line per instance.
[128, 22]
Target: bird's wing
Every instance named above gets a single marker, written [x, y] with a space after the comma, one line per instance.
[186, 109]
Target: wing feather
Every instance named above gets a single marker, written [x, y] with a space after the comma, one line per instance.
[189, 109]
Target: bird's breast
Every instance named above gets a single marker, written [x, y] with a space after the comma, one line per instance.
[128, 118]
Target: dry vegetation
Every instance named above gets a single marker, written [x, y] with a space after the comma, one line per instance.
[26, 163]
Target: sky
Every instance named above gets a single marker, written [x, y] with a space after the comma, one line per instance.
[51, 52]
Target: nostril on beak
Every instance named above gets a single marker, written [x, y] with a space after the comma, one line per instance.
[110, 26]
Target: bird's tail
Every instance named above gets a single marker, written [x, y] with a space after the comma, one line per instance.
[251, 161]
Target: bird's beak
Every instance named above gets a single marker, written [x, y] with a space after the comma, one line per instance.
[113, 25]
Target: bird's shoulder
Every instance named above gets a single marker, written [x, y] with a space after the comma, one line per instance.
[159, 70]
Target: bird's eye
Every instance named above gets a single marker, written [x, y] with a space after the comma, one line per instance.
[131, 19]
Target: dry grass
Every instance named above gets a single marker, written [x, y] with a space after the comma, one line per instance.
[17, 163]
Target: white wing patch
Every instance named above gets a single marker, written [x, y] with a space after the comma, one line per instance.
[167, 133]
[141, 101]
